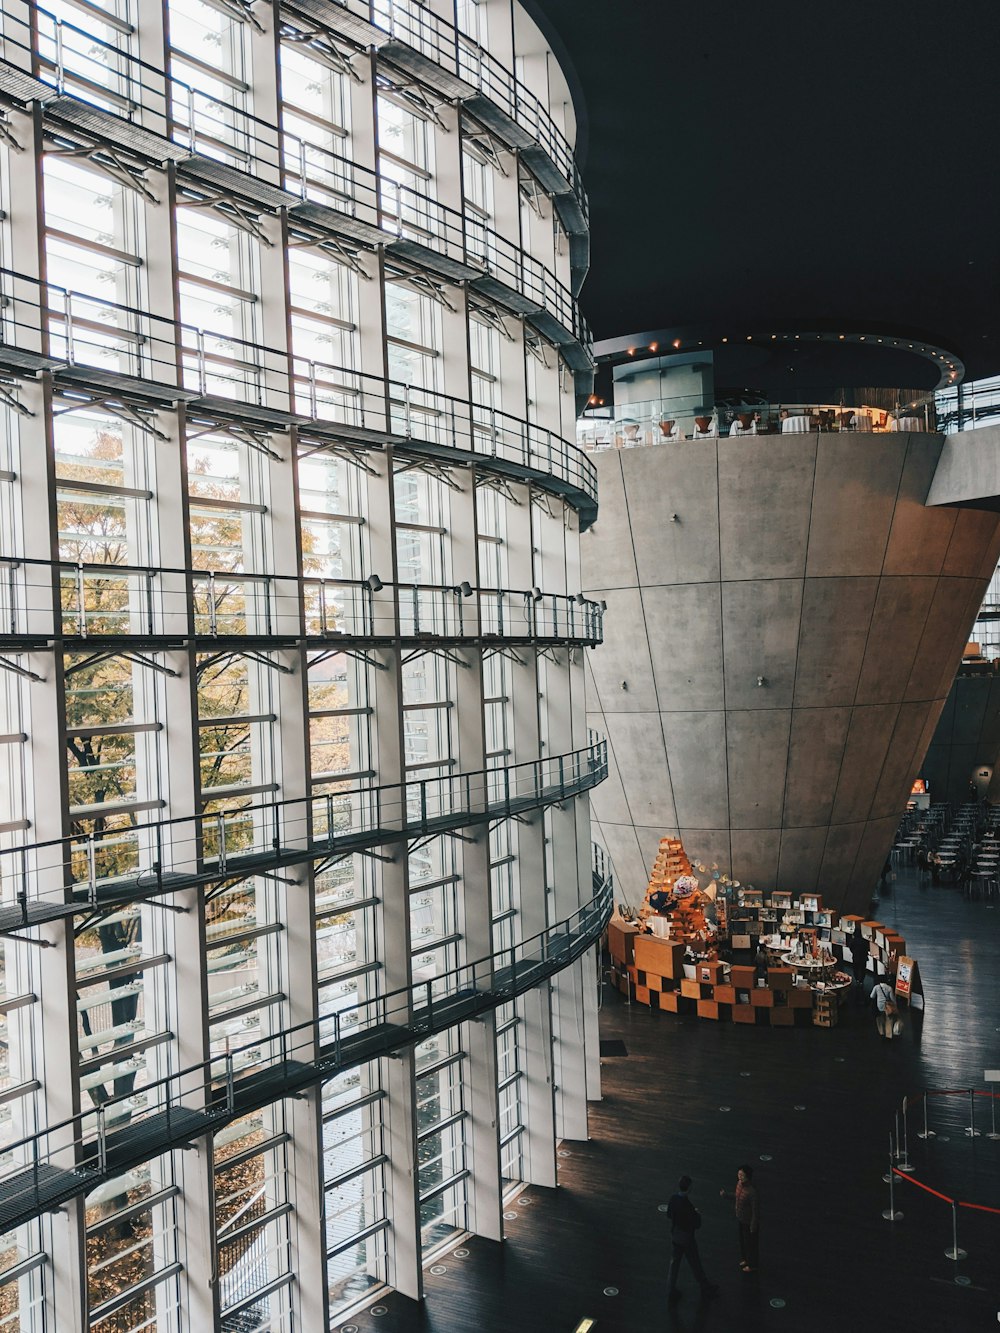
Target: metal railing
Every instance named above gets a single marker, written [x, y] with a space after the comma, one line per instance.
[637, 425]
[83, 872]
[69, 1158]
[81, 332]
[81, 64]
[96, 600]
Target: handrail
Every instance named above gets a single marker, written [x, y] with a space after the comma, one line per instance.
[121, 82]
[66, 1159]
[84, 872]
[81, 333]
[152, 601]
[651, 422]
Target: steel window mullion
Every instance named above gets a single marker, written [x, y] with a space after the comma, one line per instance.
[369, 1099]
[357, 1237]
[438, 1065]
[123, 1298]
[348, 1176]
[441, 1125]
[256, 1224]
[510, 1080]
[511, 1135]
[445, 1185]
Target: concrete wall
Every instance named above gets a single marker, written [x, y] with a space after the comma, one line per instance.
[810, 561]
[966, 740]
[969, 470]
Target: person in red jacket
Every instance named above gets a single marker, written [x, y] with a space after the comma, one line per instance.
[747, 1217]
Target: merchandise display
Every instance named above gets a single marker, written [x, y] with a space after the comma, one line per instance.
[682, 952]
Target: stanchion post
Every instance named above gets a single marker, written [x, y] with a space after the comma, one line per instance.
[993, 1117]
[927, 1133]
[955, 1253]
[971, 1131]
[904, 1161]
[890, 1214]
[893, 1154]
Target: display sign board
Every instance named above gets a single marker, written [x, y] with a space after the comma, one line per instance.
[907, 984]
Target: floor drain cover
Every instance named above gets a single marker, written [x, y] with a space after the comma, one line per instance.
[349, 1328]
[964, 1281]
[799, 1107]
[744, 1073]
[563, 1152]
[379, 1310]
[725, 1108]
[509, 1217]
[438, 1269]
[663, 1207]
[777, 1303]
[461, 1254]
[524, 1199]
[611, 1291]
[766, 1157]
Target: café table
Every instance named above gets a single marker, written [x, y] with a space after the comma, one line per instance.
[796, 425]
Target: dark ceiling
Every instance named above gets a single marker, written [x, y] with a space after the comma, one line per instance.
[792, 160]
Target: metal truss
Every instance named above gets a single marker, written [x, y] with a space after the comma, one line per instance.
[348, 253]
[117, 406]
[324, 46]
[8, 395]
[491, 314]
[252, 436]
[410, 90]
[108, 158]
[239, 212]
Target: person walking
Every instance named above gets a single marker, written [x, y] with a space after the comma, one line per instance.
[747, 1203]
[859, 962]
[685, 1220]
[885, 998]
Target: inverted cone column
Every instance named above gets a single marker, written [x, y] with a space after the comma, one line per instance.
[785, 619]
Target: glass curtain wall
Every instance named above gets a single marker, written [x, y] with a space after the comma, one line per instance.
[281, 480]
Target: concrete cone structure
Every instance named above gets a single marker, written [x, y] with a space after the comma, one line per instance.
[785, 619]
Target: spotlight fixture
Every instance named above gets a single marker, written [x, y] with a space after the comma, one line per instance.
[465, 588]
[761, 681]
[675, 518]
[603, 604]
[580, 599]
[536, 594]
[374, 583]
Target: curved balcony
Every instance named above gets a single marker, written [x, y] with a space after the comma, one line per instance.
[108, 84]
[90, 343]
[80, 874]
[70, 1158]
[640, 424]
[108, 605]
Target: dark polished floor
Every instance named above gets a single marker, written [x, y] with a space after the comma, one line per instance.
[699, 1097]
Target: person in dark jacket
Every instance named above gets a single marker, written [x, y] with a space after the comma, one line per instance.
[859, 962]
[684, 1222]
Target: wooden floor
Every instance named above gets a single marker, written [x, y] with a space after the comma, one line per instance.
[699, 1097]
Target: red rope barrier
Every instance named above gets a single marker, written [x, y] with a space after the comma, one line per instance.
[979, 1207]
[984, 1093]
[913, 1181]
